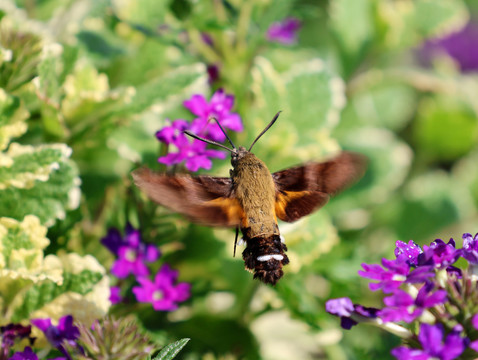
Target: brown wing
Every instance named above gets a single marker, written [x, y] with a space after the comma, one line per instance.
[304, 189]
[204, 199]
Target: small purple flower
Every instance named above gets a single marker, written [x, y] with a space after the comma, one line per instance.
[431, 339]
[470, 248]
[220, 108]
[390, 277]
[348, 312]
[193, 152]
[439, 254]
[284, 32]
[407, 252]
[403, 307]
[115, 295]
[340, 306]
[26, 354]
[162, 293]
[131, 252]
[64, 332]
[170, 134]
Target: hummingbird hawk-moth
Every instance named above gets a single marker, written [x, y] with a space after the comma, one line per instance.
[252, 199]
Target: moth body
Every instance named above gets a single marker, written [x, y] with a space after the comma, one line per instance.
[254, 189]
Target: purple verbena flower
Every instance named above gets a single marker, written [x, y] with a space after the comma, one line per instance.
[218, 107]
[26, 354]
[439, 254]
[407, 252]
[284, 32]
[162, 293]
[348, 312]
[131, 251]
[390, 276]
[470, 248]
[193, 152]
[460, 46]
[431, 340]
[64, 332]
[401, 306]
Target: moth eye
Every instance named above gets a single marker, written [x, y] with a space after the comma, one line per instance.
[241, 242]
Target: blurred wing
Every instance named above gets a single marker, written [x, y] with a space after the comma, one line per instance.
[204, 199]
[304, 189]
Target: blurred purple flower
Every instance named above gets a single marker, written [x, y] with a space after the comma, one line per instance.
[193, 152]
[162, 293]
[431, 339]
[26, 354]
[170, 134]
[474, 322]
[131, 252]
[407, 252]
[213, 73]
[115, 294]
[460, 46]
[220, 108]
[10, 333]
[64, 332]
[340, 306]
[284, 32]
[349, 312]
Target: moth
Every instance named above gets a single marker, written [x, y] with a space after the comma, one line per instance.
[252, 199]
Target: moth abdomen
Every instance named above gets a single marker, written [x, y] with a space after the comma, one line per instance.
[265, 256]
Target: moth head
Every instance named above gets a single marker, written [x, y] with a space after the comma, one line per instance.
[238, 154]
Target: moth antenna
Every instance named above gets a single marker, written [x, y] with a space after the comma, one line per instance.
[267, 128]
[187, 132]
[227, 137]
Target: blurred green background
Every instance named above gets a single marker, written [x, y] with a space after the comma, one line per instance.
[365, 75]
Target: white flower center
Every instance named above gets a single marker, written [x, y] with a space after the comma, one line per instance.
[130, 255]
[157, 295]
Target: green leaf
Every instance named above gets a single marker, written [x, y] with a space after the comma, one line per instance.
[38, 180]
[445, 128]
[310, 98]
[387, 105]
[170, 351]
[411, 22]
[352, 22]
[12, 118]
[168, 90]
[149, 13]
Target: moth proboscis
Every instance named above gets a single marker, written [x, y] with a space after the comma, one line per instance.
[252, 199]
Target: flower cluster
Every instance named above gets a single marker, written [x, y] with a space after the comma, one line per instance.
[132, 255]
[430, 303]
[192, 151]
